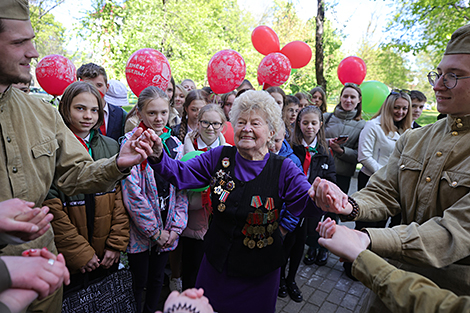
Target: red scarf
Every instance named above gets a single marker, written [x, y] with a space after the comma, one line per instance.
[164, 136]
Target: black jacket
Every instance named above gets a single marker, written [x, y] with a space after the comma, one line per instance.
[322, 164]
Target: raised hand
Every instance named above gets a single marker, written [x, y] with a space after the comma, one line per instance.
[136, 149]
[342, 241]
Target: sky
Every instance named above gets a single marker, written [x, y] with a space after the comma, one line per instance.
[351, 16]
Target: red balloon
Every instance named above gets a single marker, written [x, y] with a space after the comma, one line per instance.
[147, 67]
[274, 69]
[265, 40]
[352, 70]
[55, 73]
[226, 71]
[298, 52]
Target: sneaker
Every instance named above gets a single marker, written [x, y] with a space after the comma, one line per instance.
[176, 284]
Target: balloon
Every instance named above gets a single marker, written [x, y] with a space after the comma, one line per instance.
[274, 69]
[147, 67]
[352, 70]
[265, 40]
[298, 52]
[226, 71]
[188, 156]
[374, 94]
[55, 73]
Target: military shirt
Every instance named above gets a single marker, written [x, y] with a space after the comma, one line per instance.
[427, 179]
[37, 149]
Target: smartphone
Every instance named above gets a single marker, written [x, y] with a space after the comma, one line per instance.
[343, 137]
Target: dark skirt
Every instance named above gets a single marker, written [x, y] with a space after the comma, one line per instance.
[229, 294]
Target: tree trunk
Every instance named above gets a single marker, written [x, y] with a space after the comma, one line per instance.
[319, 44]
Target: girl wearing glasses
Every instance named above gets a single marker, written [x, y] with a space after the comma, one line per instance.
[206, 136]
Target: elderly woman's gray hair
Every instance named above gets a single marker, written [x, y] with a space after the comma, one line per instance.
[261, 102]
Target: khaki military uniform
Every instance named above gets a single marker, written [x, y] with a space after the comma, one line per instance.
[427, 179]
[38, 149]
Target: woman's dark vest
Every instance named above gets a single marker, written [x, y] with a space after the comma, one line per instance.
[227, 242]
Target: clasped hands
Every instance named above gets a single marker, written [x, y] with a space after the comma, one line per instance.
[329, 197]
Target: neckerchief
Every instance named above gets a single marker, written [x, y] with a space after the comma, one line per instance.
[86, 144]
[308, 157]
[164, 136]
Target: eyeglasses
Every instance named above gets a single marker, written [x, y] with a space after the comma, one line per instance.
[290, 110]
[206, 124]
[449, 79]
[351, 85]
[399, 91]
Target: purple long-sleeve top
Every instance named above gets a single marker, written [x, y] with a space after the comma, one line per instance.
[197, 172]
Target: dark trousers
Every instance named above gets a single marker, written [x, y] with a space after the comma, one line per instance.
[193, 251]
[147, 270]
[343, 182]
[294, 250]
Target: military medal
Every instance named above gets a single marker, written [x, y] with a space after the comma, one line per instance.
[260, 244]
[224, 194]
[218, 190]
[245, 241]
[225, 162]
[270, 228]
[256, 201]
[221, 207]
[230, 185]
[251, 244]
[270, 240]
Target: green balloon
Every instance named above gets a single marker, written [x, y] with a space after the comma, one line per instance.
[188, 156]
[374, 94]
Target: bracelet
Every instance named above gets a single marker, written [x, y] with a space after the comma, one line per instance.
[355, 210]
[159, 235]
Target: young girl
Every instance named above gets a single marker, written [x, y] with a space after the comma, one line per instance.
[206, 136]
[310, 147]
[195, 100]
[319, 98]
[278, 94]
[180, 97]
[90, 230]
[158, 211]
[305, 99]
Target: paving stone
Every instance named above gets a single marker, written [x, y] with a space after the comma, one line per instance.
[307, 291]
[343, 310]
[318, 297]
[322, 271]
[357, 289]
[335, 296]
[334, 275]
[344, 284]
[327, 285]
[294, 307]
[315, 281]
[349, 301]
[311, 308]
[328, 307]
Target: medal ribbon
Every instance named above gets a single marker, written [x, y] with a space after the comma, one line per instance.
[256, 201]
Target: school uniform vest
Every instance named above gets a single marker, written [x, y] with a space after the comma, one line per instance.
[238, 239]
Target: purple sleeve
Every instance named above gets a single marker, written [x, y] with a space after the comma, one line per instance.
[293, 190]
[194, 173]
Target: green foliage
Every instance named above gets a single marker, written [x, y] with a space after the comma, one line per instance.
[290, 27]
[188, 33]
[426, 25]
[50, 34]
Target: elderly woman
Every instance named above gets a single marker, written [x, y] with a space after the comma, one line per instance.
[243, 245]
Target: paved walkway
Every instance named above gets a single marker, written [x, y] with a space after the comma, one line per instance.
[326, 289]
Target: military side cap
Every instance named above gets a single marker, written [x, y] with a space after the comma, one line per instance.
[460, 41]
[14, 9]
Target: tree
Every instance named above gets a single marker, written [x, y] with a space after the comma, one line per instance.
[50, 34]
[319, 44]
[188, 33]
[426, 25]
[290, 27]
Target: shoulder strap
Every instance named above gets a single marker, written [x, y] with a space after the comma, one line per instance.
[328, 118]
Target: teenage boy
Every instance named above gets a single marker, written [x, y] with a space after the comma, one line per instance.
[418, 100]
